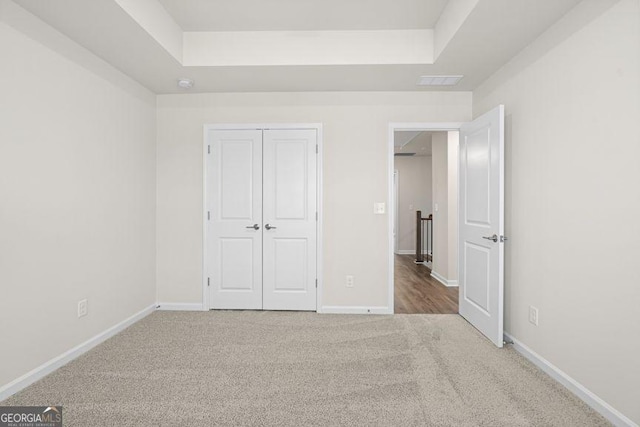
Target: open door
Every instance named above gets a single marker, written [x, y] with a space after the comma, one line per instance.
[481, 224]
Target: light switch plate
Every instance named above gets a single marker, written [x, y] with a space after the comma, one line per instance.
[378, 208]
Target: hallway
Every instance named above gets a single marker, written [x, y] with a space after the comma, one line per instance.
[417, 292]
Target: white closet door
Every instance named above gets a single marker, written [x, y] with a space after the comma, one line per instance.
[289, 218]
[234, 186]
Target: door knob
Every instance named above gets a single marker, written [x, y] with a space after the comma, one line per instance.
[254, 226]
[493, 238]
[269, 227]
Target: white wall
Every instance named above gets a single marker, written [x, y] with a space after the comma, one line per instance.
[77, 194]
[440, 264]
[355, 176]
[445, 195]
[414, 193]
[572, 197]
[452, 205]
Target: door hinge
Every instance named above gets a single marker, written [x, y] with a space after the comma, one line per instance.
[208, 281]
[316, 148]
[208, 215]
[208, 149]
[316, 216]
[316, 283]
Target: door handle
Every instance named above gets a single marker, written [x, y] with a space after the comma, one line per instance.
[254, 226]
[493, 238]
[269, 227]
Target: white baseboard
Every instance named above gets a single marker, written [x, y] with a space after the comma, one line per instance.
[440, 278]
[168, 306]
[339, 309]
[409, 252]
[591, 399]
[46, 368]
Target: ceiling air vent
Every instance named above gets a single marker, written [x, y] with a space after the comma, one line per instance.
[404, 154]
[439, 80]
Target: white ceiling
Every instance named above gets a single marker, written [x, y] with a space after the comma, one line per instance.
[402, 138]
[295, 15]
[490, 34]
[413, 142]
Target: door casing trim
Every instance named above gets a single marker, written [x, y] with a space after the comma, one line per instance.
[393, 127]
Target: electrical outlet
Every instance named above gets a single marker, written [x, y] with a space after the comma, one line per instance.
[533, 315]
[82, 308]
[349, 282]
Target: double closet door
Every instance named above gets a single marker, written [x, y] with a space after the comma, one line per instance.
[261, 219]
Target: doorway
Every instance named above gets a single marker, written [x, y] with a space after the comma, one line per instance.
[425, 201]
[479, 156]
[262, 217]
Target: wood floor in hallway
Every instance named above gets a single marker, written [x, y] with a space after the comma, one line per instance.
[417, 292]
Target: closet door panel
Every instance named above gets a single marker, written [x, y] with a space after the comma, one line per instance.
[289, 220]
[234, 201]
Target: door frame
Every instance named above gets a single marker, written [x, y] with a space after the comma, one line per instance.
[393, 127]
[396, 238]
[206, 304]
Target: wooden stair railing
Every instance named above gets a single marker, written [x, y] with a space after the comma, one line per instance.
[423, 224]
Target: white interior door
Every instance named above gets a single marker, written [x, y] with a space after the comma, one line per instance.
[481, 224]
[234, 203]
[289, 218]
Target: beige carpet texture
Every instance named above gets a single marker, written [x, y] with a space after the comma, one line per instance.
[246, 368]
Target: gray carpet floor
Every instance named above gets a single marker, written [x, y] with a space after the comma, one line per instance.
[295, 369]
